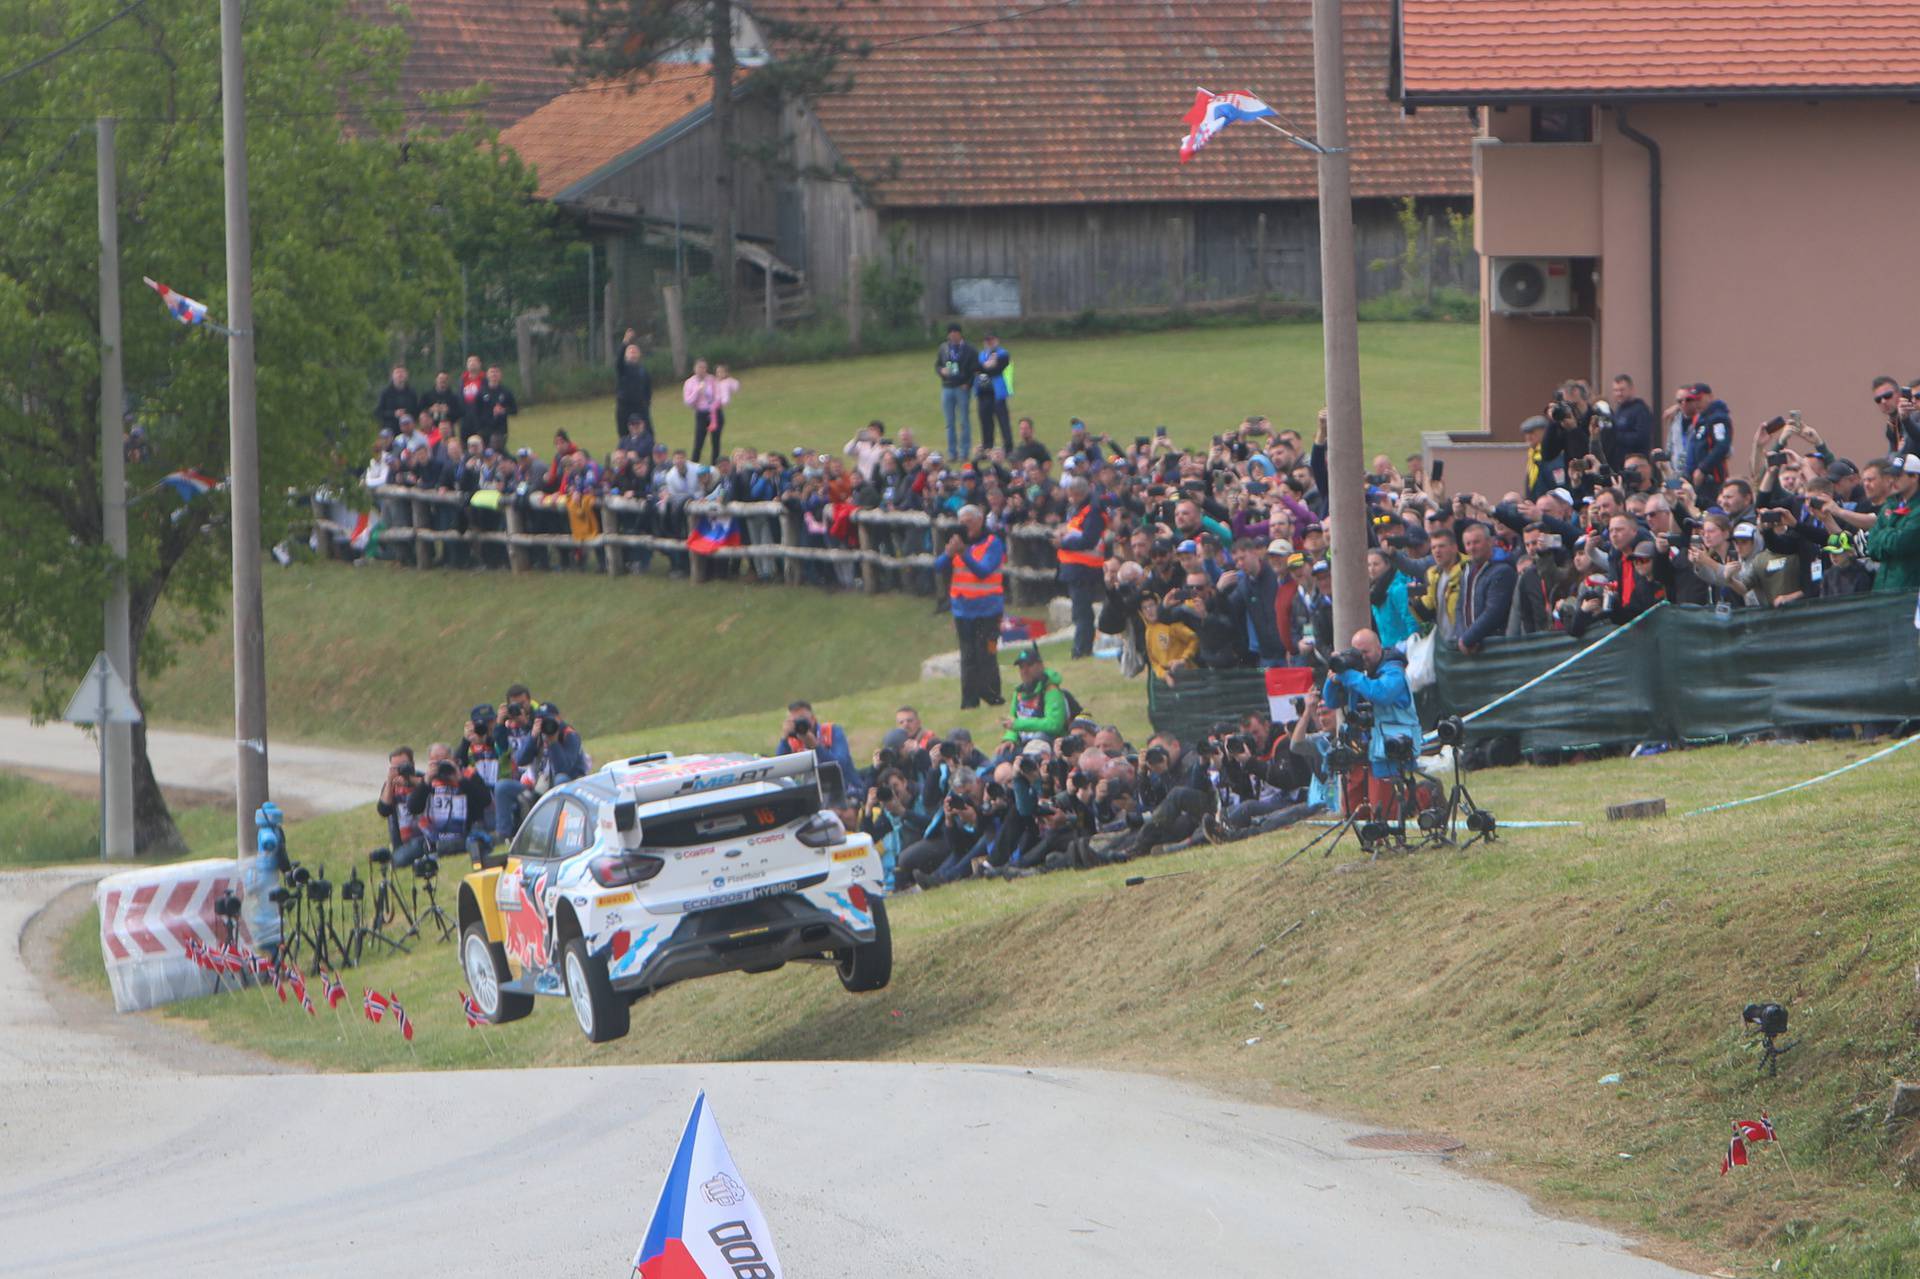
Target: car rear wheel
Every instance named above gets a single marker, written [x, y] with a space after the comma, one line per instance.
[485, 963]
[868, 966]
[602, 1014]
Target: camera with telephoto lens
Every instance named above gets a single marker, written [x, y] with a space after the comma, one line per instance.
[227, 905]
[1451, 730]
[318, 889]
[1359, 715]
[1346, 659]
[426, 866]
[1400, 750]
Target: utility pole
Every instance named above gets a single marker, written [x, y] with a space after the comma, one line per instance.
[249, 628]
[1340, 335]
[116, 740]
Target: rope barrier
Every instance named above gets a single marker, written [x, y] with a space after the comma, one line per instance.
[1882, 753]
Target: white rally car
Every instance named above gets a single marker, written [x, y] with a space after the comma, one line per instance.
[657, 869]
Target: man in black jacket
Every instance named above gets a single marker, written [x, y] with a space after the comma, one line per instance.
[633, 387]
[1251, 586]
[396, 398]
[1631, 430]
[495, 405]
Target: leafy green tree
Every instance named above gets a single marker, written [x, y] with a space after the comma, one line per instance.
[355, 210]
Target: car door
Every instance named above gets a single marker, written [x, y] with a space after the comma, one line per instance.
[523, 884]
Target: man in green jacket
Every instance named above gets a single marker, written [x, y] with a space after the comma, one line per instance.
[1039, 705]
[1895, 538]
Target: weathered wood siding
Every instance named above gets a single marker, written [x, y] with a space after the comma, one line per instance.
[675, 178]
[1074, 258]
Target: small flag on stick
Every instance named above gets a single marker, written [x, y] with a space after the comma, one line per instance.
[184, 308]
[1213, 112]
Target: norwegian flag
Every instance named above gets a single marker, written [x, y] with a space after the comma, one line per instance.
[1760, 1129]
[1736, 1156]
[260, 964]
[334, 990]
[374, 1004]
[401, 1019]
[474, 1016]
[299, 985]
[228, 959]
[280, 983]
[197, 952]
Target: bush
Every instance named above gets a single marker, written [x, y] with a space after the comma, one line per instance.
[890, 289]
[1447, 305]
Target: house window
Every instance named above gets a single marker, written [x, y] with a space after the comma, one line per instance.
[1562, 124]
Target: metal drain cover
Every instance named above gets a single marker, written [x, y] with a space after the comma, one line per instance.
[1418, 1143]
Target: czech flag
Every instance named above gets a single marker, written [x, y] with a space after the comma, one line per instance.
[1213, 112]
[706, 1225]
[710, 533]
[190, 484]
[183, 309]
[1286, 685]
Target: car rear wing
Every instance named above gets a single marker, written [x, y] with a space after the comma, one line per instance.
[796, 769]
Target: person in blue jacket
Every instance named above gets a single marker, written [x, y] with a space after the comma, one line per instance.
[805, 731]
[1709, 437]
[1380, 677]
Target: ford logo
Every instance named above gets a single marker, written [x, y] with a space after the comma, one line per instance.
[720, 881]
[731, 852]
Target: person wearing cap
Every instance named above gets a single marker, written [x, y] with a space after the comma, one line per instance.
[1765, 579]
[1248, 591]
[1895, 538]
[1039, 703]
[975, 556]
[1708, 433]
[957, 364]
[992, 388]
[1545, 470]
[1079, 545]
[553, 754]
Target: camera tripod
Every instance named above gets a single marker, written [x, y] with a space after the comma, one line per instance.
[321, 935]
[426, 871]
[1460, 809]
[1770, 1053]
[385, 898]
[353, 893]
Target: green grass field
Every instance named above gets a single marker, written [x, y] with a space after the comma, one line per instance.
[1481, 993]
[1196, 382]
[43, 825]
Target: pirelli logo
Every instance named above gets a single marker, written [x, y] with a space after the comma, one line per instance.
[849, 855]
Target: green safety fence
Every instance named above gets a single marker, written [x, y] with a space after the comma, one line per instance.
[1698, 674]
[1682, 674]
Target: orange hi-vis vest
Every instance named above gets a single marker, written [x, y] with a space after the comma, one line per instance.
[1086, 559]
[969, 585]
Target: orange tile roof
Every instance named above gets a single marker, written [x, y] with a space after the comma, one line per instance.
[1083, 103]
[581, 131]
[1487, 50]
[509, 45]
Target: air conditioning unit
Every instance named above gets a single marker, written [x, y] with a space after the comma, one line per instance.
[1532, 286]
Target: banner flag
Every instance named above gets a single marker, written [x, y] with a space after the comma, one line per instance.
[706, 1225]
[1286, 684]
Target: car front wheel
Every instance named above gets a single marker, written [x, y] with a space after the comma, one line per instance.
[868, 966]
[602, 1014]
[485, 963]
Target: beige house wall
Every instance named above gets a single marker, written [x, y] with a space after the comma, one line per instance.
[1789, 257]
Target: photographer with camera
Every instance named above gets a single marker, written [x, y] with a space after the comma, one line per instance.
[802, 730]
[963, 833]
[512, 734]
[1900, 415]
[454, 819]
[403, 798]
[475, 752]
[553, 754]
[1371, 684]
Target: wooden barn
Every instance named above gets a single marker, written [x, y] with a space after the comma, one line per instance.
[1026, 162]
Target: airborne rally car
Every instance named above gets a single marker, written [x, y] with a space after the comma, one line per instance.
[657, 869]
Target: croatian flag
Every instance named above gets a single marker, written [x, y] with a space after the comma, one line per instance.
[190, 484]
[184, 309]
[365, 534]
[706, 1225]
[1285, 686]
[710, 533]
[1213, 112]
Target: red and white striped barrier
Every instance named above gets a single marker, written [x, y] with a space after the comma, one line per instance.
[147, 917]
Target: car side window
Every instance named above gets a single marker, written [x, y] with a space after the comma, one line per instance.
[535, 840]
[572, 832]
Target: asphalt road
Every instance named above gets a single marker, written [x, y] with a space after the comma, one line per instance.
[306, 779]
[129, 1147]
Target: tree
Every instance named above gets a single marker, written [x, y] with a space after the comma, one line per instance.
[348, 245]
[636, 39]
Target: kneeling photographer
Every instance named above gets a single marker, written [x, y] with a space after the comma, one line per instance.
[403, 798]
[1369, 683]
[455, 817]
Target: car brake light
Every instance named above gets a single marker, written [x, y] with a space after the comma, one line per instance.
[858, 896]
[823, 830]
[616, 870]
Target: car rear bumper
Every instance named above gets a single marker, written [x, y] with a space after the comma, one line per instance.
[752, 934]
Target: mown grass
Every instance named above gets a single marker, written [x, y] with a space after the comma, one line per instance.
[46, 825]
[1485, 993]
[1196, 382]
[367, 657]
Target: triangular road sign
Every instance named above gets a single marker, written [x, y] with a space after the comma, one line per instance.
[103, 697]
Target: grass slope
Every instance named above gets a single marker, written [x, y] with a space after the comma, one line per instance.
[1413, 376]
[1483, 993]
[383, 654]
[45, 825]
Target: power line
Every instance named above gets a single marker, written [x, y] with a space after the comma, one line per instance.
[70, 45]
[432, 108]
